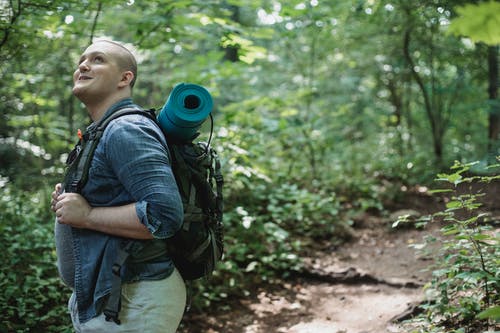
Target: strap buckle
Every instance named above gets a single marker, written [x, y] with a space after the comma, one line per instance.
[111, 315]
[116, 269]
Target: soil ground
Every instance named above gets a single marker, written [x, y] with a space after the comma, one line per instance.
[359, 287]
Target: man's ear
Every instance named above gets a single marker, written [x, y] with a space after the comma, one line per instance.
[127, 78]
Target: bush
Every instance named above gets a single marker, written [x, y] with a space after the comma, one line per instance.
[32, 298]
[465, 289]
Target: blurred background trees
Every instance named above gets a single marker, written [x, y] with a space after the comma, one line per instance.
[322, 109]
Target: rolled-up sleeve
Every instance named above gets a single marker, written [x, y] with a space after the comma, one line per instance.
[137, 152]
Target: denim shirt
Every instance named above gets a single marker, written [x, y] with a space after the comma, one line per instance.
[130, 165]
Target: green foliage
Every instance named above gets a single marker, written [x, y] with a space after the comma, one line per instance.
[317, 118]
[465, 289]
[267, 226]
[32, 297]
[312, 214]
[492, 313]
[264, 237]
[480, 22]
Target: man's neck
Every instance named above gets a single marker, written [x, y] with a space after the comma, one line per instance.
[97, 109]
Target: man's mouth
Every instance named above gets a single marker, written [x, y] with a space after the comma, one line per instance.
[84, 77]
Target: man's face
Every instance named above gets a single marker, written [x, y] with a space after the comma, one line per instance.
[97, 75]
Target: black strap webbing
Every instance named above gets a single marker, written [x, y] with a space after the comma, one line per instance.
[219, 181]
[113, 305]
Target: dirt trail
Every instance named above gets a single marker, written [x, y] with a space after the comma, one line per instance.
[383, 278]
[356, 288]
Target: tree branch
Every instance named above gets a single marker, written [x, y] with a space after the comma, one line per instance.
[15, 16]
[94, 24]
[153, 29]
[437, 131]
[418, 79]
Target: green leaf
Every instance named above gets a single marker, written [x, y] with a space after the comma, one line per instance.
[482, 237]
[453, 204]
[454, 178]
[440, 191]
[491, 313]
[451, 231]
[481, 23]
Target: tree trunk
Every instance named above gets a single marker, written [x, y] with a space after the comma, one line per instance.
[396, 100]
[494, 115]
[231, 52]
[433, 115]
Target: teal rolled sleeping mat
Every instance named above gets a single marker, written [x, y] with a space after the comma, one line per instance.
[187, 107]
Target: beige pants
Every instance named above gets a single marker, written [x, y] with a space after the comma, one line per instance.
[147, 307]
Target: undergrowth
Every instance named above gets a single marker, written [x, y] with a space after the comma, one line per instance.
[464, 293]
[33, 298]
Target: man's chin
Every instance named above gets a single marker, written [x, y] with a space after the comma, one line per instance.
[78, 91]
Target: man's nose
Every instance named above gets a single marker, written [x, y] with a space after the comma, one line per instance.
[83, 66]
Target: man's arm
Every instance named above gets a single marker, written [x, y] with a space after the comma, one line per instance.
[74, 210]
[137, 151]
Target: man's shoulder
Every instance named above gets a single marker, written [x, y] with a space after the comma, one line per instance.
[130, 119]
[132, 126]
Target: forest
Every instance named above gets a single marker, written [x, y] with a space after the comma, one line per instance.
[327, 115]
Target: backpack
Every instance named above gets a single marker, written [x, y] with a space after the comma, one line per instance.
[197, 247]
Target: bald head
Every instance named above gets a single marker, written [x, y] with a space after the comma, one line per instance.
[124, 58]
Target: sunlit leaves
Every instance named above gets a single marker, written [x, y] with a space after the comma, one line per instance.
[480, 22]
[248, 51]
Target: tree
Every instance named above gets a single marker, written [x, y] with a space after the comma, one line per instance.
[481, 23]
[432, 75]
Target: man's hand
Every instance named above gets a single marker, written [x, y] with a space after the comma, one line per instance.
[70, 208]
[55, 194]
[74, 210]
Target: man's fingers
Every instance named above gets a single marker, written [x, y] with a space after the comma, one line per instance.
[55, 196]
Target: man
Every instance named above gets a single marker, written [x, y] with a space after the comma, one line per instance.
[130, 194]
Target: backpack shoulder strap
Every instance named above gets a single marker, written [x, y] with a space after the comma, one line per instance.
[101, 125]
[77, 174]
